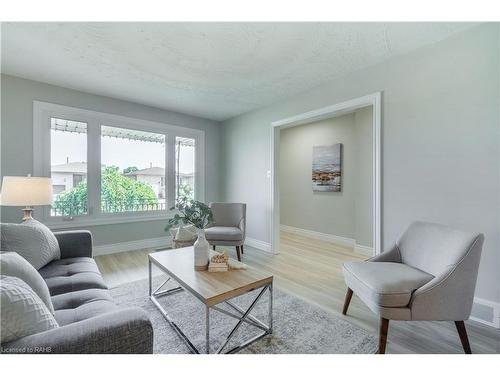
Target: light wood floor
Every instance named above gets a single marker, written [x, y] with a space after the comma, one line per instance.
[311, 270]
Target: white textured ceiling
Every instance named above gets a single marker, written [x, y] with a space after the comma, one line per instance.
[212, 70]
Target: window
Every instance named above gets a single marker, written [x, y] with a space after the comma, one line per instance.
[132, 171]
[77, 178]
[184, 167]
[110, 169]
[68, 167]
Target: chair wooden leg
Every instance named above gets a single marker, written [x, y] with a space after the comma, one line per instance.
[238, 253]
[462, 332]
[382, 339]
[241, 249]
[347, 300]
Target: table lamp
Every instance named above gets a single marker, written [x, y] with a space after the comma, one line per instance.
[26, 191]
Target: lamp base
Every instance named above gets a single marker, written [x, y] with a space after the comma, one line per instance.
[27, 211]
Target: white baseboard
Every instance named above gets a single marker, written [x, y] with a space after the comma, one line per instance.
[495, 308]
[163, 242]
[258, 244]
[338, 240]
[342, 241]
[133, 245]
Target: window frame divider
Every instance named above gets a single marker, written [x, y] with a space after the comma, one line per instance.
[170, 171]
[93, 168]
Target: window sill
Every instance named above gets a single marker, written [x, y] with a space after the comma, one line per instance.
[103, 220]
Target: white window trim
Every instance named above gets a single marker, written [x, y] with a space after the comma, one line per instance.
[42, 112]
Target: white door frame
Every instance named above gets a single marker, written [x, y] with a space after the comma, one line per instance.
[321, 114]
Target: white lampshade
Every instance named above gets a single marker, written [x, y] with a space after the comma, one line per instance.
[26, 191]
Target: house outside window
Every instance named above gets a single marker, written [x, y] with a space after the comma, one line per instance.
[153, 176]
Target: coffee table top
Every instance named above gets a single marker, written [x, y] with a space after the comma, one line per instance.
[209, 287]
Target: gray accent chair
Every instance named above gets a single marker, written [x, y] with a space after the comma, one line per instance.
[429, 274]
[89, 320]
[228, 228]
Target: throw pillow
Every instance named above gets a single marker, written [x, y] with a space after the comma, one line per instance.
[32, 240]
[14, 265]
[22, 312]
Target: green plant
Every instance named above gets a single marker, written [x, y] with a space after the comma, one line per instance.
[185, 191]
[72, 202]
[118, 193]
[190, 212]
[130, 169]
[121, 193]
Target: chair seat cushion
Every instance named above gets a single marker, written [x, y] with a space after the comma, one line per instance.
[223, 233]
[84, 304]
[72, 274]
[384, 283]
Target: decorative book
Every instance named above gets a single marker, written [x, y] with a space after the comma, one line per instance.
[219, 263]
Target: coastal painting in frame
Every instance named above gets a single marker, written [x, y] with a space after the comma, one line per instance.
[327, 168]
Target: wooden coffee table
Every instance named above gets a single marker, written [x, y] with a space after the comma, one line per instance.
[213, 289]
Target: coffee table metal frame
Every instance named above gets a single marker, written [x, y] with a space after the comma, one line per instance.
[238, 313]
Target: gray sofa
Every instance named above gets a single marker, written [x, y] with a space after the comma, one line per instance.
[89, 320]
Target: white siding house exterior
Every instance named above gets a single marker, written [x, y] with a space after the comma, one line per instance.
[66, 176]
[154, 176]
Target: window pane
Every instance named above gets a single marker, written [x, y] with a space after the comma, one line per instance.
[133, 170]
[184, 167]
[68, 165]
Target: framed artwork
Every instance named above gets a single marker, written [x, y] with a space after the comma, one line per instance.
[327, 168]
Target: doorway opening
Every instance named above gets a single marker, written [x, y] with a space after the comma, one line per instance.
[331, 172]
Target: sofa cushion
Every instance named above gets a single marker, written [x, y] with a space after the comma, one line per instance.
[385, 284]
[223, 233]
[12, 264]
[72, 274]
[83, 304]
[22, 313]
[32, 240]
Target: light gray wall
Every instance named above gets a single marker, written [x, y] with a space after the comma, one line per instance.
[17, 143]
[440, 142]
[300, 206]
[363, 201]
[334, 213]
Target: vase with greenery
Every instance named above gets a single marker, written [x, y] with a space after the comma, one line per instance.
[200, 216]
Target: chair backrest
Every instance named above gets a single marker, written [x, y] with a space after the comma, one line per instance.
[228, 214]
[433, 248]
